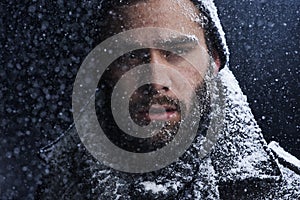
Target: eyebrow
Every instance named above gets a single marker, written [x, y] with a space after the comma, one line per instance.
[177, 41]
[188, 41]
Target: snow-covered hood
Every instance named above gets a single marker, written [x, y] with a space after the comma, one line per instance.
[213, 27]
[216, 33]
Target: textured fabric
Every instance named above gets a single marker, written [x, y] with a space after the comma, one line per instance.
[216, 32]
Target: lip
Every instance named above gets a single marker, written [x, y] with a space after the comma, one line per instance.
[160, 112]
[166, 116]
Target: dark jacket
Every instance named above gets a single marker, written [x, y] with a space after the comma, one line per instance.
[240, 166]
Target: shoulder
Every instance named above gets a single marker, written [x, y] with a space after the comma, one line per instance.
[64, 144]
[64, 160]
[284, 158]
[290, 169]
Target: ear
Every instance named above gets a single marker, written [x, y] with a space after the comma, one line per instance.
[217, 61]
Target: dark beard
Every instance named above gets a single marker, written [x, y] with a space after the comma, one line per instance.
[174, 178]
[163, 136]
[180, 173]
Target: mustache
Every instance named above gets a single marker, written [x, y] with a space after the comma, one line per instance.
[144, 104]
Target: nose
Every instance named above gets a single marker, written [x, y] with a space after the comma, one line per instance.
[156, 56]
[161, 80]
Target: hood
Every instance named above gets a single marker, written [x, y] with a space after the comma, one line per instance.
[213, 28]
[215, 31]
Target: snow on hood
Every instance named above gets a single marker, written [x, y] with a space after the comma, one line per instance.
[242, 153]
[208, 8]
[286, 157]
[213, 27]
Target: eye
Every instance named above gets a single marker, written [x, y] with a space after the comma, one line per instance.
[181, 51]
[131, 57]
[178, 51]
[135, 57]
[176, 54]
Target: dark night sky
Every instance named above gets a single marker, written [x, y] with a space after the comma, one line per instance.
[43, 44]
[264, 39]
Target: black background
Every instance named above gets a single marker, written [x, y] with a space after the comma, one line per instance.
[43, 44]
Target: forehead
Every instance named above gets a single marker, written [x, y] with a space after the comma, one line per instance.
[178, 15]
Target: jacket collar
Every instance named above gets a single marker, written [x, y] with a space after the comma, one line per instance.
[241, 155]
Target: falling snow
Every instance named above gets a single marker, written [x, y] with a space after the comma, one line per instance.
[43, 44]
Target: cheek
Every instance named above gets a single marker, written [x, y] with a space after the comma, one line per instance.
[187, 88]
[195, 67]
[195, 77]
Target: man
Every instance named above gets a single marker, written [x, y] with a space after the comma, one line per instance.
[239, 166]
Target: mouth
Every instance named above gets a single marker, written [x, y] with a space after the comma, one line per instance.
[162, 112]
[159, 112]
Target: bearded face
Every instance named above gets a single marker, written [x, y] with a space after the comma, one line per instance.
[185, 53]
[149, 103]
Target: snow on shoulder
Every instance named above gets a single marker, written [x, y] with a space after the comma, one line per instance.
[155, 188]
[284, 156]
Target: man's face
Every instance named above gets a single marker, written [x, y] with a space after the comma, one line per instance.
[157, 101]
